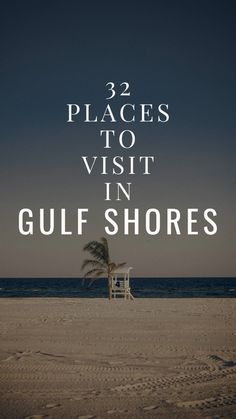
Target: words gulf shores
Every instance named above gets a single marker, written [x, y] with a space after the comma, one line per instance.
[152, 221]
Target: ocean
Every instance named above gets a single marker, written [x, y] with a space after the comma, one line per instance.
[141, 287]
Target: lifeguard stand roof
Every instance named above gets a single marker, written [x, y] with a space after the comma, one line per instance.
[122, 271]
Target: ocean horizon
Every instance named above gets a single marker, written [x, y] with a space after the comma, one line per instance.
[209, 287]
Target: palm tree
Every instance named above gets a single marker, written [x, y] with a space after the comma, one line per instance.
[101, 265]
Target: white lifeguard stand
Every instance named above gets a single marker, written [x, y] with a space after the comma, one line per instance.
[120, 284]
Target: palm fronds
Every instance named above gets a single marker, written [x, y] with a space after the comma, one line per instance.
[92, 262]
[101, 265]
[97, 250]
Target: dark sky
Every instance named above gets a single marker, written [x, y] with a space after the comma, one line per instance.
[58, 52]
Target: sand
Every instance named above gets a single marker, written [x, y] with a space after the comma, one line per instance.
[94, 358]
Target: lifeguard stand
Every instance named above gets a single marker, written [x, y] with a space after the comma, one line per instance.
[120, 284]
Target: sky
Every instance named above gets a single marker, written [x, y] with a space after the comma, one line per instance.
[56, 52]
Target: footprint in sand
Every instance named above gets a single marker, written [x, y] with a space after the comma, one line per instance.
[110, 412]
[52, 405]
[38, 417]
[87, 417]
[153, 407]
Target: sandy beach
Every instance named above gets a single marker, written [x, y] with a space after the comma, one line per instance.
[94, 358]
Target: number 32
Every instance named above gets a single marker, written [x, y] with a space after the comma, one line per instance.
[113, 92]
